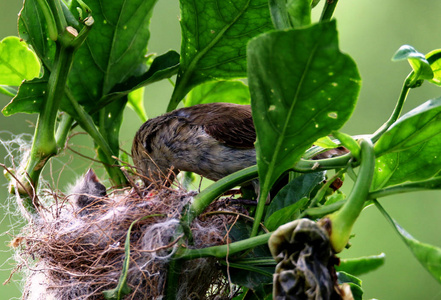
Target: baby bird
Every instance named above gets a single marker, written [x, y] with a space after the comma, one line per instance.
[212, 140]
[88, 192]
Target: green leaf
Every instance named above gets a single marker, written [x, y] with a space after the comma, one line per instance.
[326, 143]
[353, 282]
[299, 12]
[214, 38]
[361, 265]
[163, 66]
[286, 214]
[17, 62]
[416, 126]
[434, 59]
[8, 91]
[136, 103]
[30, 96]
[302, 87]
[418, 62]
[291, 198]
[122, 288]
[114, 51]
[219, 91]
[408, 151]
[279, 14]
[32, 28]
[429, 256]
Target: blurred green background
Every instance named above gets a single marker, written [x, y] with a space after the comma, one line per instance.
[370, 31]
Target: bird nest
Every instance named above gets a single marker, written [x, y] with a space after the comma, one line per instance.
[73, 252]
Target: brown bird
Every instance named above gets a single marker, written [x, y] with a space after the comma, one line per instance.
[213, 140]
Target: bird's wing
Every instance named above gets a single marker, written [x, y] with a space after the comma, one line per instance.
[231, 124]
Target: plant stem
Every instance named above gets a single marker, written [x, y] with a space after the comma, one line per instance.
[433, 183]
[203, 199]
[86, 122]
[44, 144]
[328, 10]
[341, 222]
[396, 113]
[264, 191]
[223, 250]
[50, 19]
[63, 130]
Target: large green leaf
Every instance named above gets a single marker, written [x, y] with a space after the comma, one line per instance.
[302, 87]
[219, 91]
[32, 28]
[417, 126]
[214, 38]
[428, 255]
[114, 50]
[409, 150]
[17, 62]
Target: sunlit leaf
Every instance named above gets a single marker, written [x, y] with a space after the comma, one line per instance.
[214, 38]
[418, 62]
[428, 255]
[361, 265]
[219, 91]
[136, 103]
[434, 59]
[326, 143]
[17, 62]
[302, 87]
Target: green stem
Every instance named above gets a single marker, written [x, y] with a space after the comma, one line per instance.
[203, 199]
[173, 275]
[63, 130]
[264, 191]
[341, 222]
[224, 250]
[396, 113]
[328, 10]
[430, 184]
[179, 91]
[58, 14]
[106, 153]
[50, 19]
[44, 144]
